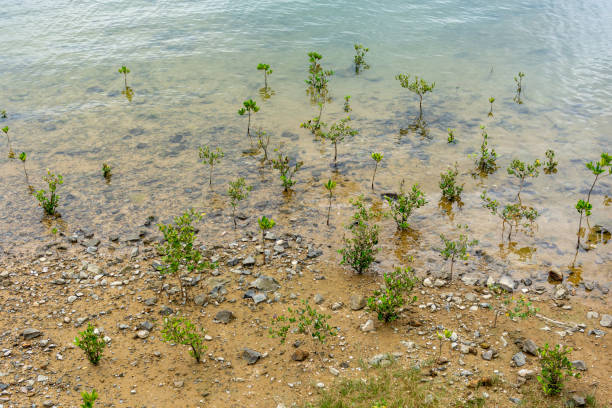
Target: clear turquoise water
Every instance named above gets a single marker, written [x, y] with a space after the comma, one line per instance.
[193, 62]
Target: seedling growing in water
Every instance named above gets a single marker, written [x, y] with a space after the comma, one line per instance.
[360, 62]
[386, 302]
[265, 224]
[287, 172]
[377, 157]
[329, 186]
[519, 87]
[337, 133]
[107, 171]
[238, 191]
[315, 124]
[249, 106]
[180, 330]
[457, 249]
[404, 204]
[124, 70]
[266, 70]
[91, 343]
[347, 104]
[486, 162]
[360, 250]
[309, 322]
[451, 136]
[89, 399]
[418, 85]
[23, 156]
[446, 334]
[598, 168]
[318, 78]
[491, 100]
[550, 166]
[448, 184]
[49, 203]
[512, 214]
[11, 153]
[263, 140]
[521, 171]
[211, 158]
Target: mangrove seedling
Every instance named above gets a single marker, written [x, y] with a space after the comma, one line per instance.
[211, 158]
[265, 224]
[521, 171]
[387, 301]
[180, 330]
[347, 104]
[403, 205]
[238, 191]
[457, 249]
[50, 200]
[448, 184]
[286, 171]
[307, 321]
[263, 140]
[106, 171]
[598, 168]
[451, 136]
[486, 162]
[11, 153]
[360, 62]
[418, 85]
[89, 399]
[23, 156]
[519, 87]
[315, 125]
[178, 249]
[377, 157]
[92, 343]
[124, 70]
[555, 367]
[249, 106]
[514, 215]
[550, 166]
[329, 186]
[521, 308]
[318, 78]
[491, 100]
[338, 132]
[446, 334]
[360, 250]
[266, 70]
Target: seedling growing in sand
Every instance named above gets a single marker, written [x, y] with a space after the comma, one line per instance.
[211, 158]
[124, 70]
[360, 62]
[249, 106]
[180, 330]
[388, 300]
[306, 321]
[598, 169]
[512, 214]
[555, 367]
[377, 157]
[23, 156]
[329, 186]
[360, 250]
[265, 224]
[338, 132]
[50, 200]
[491, 100]
[521, 171]
[263, 140]
[418, 85]
[11, 153]
[89, 399]
[404, 204]
[550, 165]
[451, 136]
[266, 70]
[521, 308]
[448, 184]
[519, 87]
[287, 172]
[486, 162]
[446, 334]
[347, 104]
[91, 343]
[107, 171]
[238, 191]
[178, 250]
[457, 249]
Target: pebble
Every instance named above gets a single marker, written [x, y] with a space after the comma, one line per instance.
[368, 326]
[357, 302]
[606, 320]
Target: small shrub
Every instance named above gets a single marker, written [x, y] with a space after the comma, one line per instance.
[359, 59]
[263, 141]
[286, 171]
[418, 86]
[514, 215]
[338, 132]
[386, 302]
[405, 203]
[347, 104]
[23, 157]
[451, 136]
[329, 186]
[124, 70]
[91, 343]
[486, 162]
[107, 171]
[521, 171]
[306, 321]
[11, 153]
[555, 367]
[597, 169]
[265, 224]
[518, 80]
[377, 157]
[491, 100]
[446, 334]
[457, 249]
[50, 200]
[89, 399]
[238, 191]
[266, 70]
[519, 307]
[550, 166]
[318, 78]
[249, 106]
[180, 330]
[448, 184]
[360, 250]
[210, 157]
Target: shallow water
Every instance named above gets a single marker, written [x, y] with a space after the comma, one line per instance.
[193, 63]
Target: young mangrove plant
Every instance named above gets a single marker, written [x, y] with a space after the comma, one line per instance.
[179, 252]
[347, 104]
[265, 224]
[318, 78]
[107, 171]
[210, 157]
[486, 162]
[521, 171]
[23, 156]
[249, 106]
[286, 171]
[338, 132]
[124, 70]
[359, 59]
[360, 250]
[457, 249]
[446, 334]
[518, 80]
[315, 125]
[598, 169]
[377, 157]
[555, 367]
[329, 186]
[550, 165]
[266, 70]
[514, 215]
[451, 136]
[11, 153]
[448, 184]
[238, 191]
[50, 200]
[180, 330]
[306, 320]
[91, 343]
[418, 85]
[519, 307]
[491, 100]
[89, 399]
[387, 301]
[263, 141]
[403, 205]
